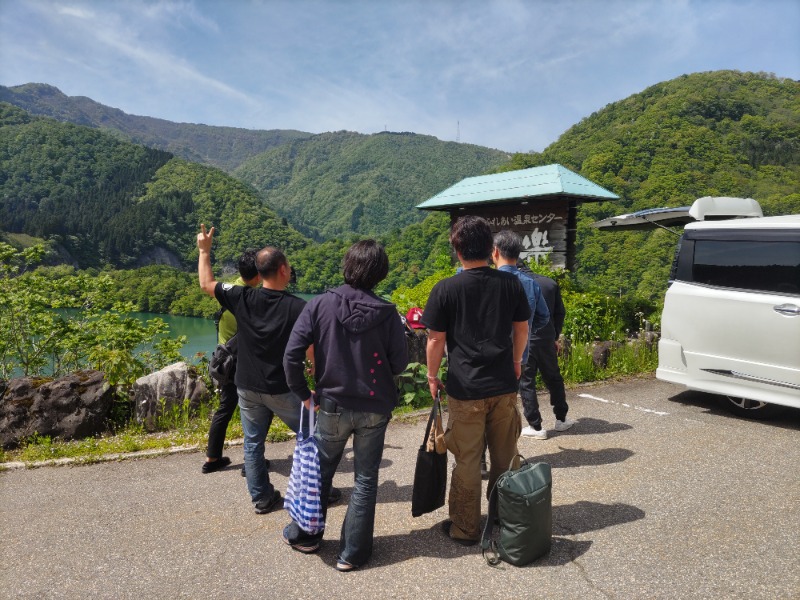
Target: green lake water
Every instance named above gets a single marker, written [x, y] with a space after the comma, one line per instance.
[200, 333]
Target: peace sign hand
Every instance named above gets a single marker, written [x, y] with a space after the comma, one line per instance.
[204, 239]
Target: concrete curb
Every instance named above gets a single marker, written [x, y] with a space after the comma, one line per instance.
[61, 462]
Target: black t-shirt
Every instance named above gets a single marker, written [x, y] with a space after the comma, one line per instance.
[475, 309]
[265, 319]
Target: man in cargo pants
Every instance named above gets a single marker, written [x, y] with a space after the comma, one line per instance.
[481, 316]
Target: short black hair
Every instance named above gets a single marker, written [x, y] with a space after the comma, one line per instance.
[269, 260]
[365, 265]
[247, 264]
[471, 237]
[508, 243]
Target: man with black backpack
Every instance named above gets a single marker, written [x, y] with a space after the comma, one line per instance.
[228, 398]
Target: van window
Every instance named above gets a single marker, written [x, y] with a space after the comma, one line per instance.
[769, 266]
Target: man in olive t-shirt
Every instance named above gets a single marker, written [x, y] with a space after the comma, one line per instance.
[228, 397]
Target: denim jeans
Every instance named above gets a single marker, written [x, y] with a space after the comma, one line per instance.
[542, 358]
[257, 410]
[335, 425]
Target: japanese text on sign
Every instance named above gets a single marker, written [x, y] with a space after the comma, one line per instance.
[523, 219]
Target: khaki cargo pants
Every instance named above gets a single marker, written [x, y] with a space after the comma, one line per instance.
[497, 419]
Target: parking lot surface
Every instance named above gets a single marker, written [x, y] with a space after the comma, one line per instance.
[657, 493]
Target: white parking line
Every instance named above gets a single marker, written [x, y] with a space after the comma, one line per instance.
[647, 410]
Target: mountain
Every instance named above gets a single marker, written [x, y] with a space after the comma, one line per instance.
[720, 133]
[109, 202]
[223, 147]
[344, 182]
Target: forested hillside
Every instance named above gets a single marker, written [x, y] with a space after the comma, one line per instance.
[722, 133]
[111, 202]
[223, 147]
[344, 182]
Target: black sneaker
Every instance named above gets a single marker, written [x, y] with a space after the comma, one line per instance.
[263, 507]
[334, 496]
[210, 466]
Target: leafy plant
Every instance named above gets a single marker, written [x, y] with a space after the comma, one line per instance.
[413, 384]
[53, 328]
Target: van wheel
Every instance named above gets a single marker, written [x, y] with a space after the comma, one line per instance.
[751, 409]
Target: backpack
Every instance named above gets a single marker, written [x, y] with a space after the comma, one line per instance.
[521, 503]
[222, 364]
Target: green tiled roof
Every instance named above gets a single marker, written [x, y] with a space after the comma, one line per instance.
[525, 183]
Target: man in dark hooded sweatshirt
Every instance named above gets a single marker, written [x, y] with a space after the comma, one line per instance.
[359, 347]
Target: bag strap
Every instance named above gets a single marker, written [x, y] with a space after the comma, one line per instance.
[437, 406]
[311, 423]
[489, 546]
[217, 317]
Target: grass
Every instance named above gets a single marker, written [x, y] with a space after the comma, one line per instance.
[181, 428]
[628, 359]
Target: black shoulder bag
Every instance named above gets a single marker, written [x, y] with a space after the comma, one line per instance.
[222, 364]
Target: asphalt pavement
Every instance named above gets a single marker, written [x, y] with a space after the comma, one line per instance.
[657, 493]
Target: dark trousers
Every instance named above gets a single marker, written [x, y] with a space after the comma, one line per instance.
[542, 358]
[228, 400]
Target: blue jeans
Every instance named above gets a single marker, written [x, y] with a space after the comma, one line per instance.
[335, 425]
[257, 410]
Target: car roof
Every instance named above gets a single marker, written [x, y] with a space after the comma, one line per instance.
[782, 222]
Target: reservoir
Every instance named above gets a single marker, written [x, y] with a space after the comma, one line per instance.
[201, 335]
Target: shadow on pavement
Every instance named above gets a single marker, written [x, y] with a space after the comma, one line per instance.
[713, 404]
[583, 516]
[568, 520]
[568, 457]
[590, 426]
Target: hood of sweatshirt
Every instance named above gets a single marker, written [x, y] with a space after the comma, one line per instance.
[359, 310]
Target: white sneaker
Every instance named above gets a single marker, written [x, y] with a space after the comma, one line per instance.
[564, 425]
[531, 432]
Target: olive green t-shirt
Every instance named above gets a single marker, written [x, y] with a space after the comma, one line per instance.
[227, 322]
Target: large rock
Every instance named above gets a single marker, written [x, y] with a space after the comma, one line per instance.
[417, 341]
[158, 393]
[75, 406]
[601, 353]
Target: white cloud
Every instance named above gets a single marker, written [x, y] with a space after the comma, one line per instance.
[515, 73]
[75, 11]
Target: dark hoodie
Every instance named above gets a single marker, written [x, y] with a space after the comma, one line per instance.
[359, 346]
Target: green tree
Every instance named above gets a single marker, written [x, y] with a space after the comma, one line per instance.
[54, 326]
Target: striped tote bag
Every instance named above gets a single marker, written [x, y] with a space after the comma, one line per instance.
[305, 483]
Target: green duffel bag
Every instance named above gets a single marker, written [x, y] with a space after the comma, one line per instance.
[521, 504]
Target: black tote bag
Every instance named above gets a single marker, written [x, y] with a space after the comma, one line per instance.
[430, 475]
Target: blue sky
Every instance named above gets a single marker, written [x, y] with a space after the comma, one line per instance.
[508, 74]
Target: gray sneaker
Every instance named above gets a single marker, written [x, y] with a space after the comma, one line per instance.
[564, 425]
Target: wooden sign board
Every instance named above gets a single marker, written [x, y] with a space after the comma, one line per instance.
[547, 227]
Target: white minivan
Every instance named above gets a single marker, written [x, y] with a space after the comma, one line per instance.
[731, 318]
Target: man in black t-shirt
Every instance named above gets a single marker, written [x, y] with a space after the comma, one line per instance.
[265, 317]
[481, 316]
